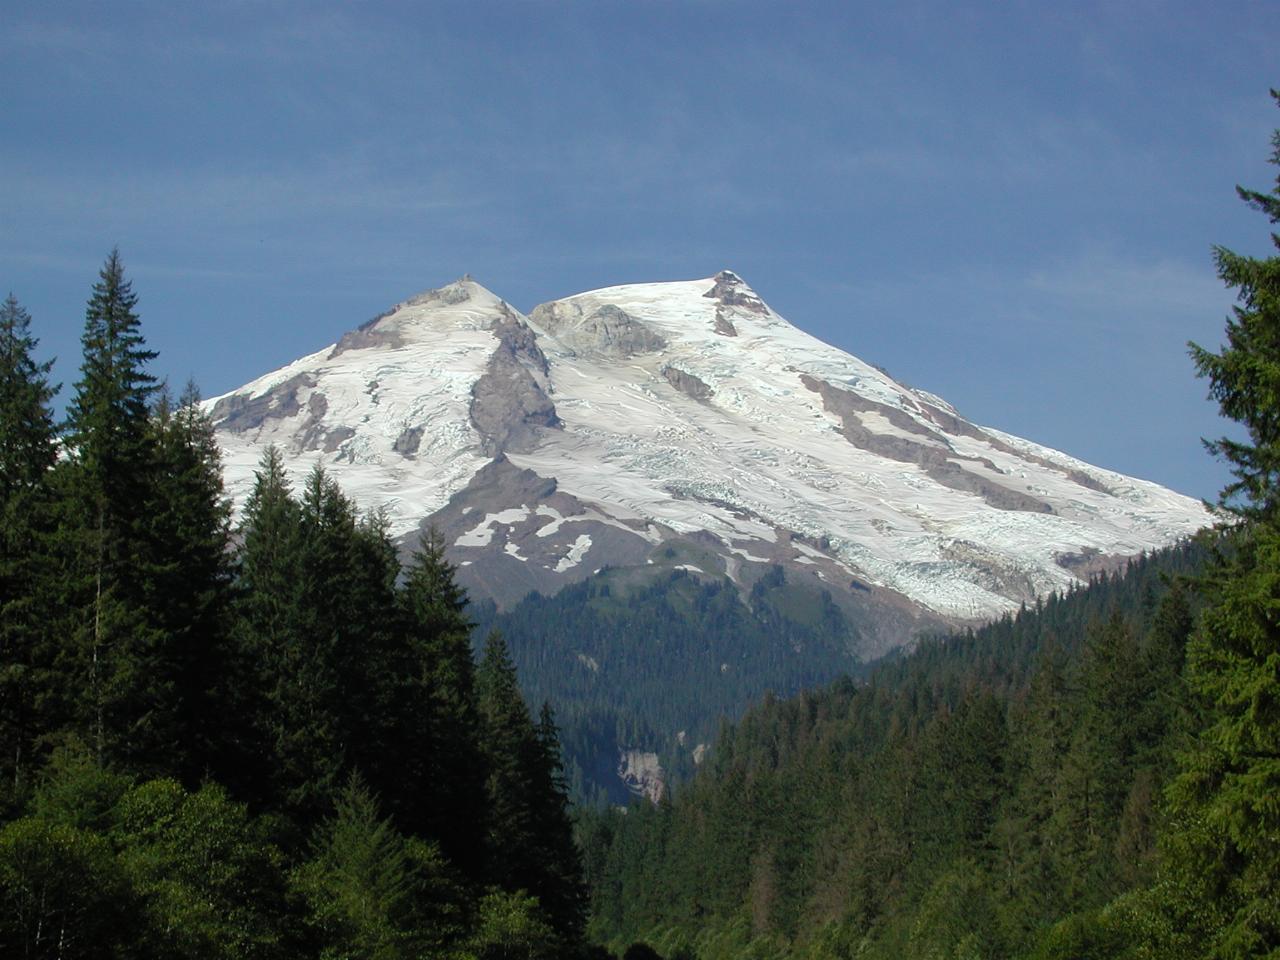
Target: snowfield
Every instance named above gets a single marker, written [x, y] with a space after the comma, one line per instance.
[681, 412]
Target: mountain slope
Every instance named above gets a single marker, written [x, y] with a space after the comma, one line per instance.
[687, 425]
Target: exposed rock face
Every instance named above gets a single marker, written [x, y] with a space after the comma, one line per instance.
[408, 442]
[238, 413]
[933, 452]
[509, 403]
[642, 773]
[730, 291]
[367, 336]
[957, 426]
[687, 383]
[511, 531]
[724, 326]
[607, 331]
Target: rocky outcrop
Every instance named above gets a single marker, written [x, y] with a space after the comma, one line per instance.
[240, 413]
[959, 427]
[933, 453]
[606, 331]
[408, 442]
[687, 383]
[732, 292]
[375, 333]
[642, 774]
[511, 530]
[724, 326]
[509, 403]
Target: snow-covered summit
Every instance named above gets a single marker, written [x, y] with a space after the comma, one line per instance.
[686, 424]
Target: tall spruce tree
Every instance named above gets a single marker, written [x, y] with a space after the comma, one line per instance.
[1225, 843]
[189, 580]
[28, 449]
[438, 741]
[530, 833]
[264, 631]
[109, 695]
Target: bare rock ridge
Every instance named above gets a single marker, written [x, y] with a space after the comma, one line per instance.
[933, 452]
[686, 426]
[509, 403]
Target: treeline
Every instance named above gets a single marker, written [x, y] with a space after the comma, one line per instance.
[266, 741]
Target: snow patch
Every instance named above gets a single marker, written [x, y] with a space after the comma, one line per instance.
[481, 535]
[575, 554]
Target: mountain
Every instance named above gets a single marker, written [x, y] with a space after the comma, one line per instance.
[670, 500]
[687, 425]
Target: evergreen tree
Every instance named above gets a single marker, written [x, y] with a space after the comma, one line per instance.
[531, 837]
[27, 440]
[1226, 842]
[28, 450]
[187, 587]
[371, 892]
[111, 692]
[444, 786]
[266, 606]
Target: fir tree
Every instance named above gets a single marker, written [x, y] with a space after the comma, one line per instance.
[27, 440]
[1226, 842]
[189, 580]
[373, 893]
[108, 436]
[446, 787]
[28, 450]
[530, 832]
[264, 630]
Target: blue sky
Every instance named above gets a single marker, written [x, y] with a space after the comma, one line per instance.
[1011, 205]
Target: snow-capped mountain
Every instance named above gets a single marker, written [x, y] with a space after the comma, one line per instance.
[686, 425]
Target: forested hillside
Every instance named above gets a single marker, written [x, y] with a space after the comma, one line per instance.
[634, 660]
[271, 741]
[971, 793]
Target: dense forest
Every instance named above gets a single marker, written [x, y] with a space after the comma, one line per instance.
[637, 660]
[266, 741]
[964, 799]
[1096, 777]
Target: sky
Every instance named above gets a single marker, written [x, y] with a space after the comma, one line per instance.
[1011, 205]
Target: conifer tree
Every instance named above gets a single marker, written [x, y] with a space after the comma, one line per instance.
[103, 532]
[370, 891]
[1225, 845]
[439, 742]
[189, 579]
[28, 450]
[266, 605]
[530, 834]
[27, 441]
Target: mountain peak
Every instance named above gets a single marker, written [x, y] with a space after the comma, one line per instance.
[685, 424]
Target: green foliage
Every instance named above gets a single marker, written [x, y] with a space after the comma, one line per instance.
[512, 927]
[1224, 847]
[209, 882]
[623, 655]
[437, 736]
[27, 453]
[372, 893]
[62, 894]
[179, 712]
[530, 833]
